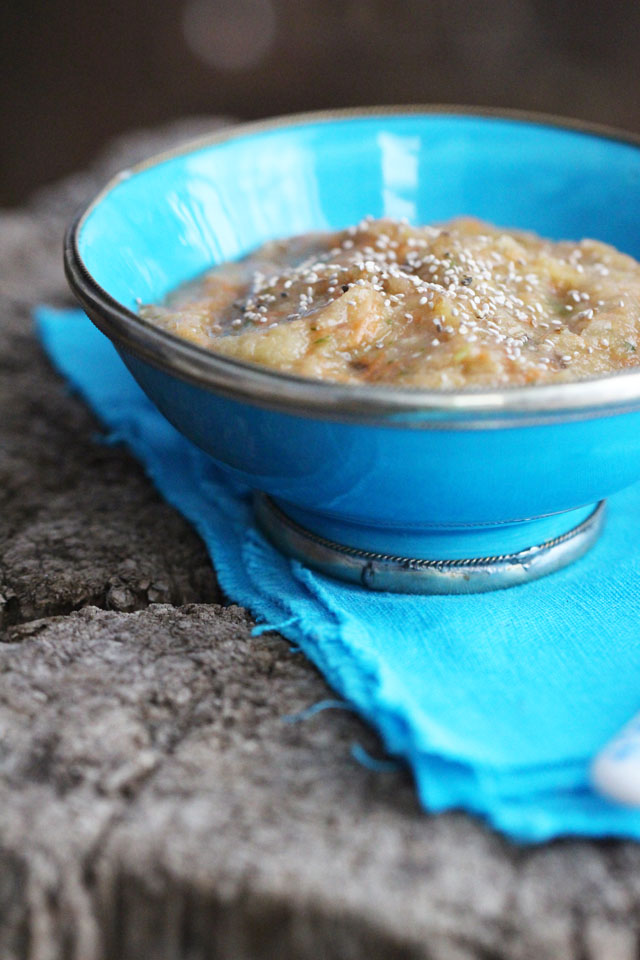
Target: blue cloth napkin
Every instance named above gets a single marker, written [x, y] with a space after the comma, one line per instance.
[497, 701]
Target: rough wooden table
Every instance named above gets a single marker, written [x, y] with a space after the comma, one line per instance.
[153, 803]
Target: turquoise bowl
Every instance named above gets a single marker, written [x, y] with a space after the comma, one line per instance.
[399, 489]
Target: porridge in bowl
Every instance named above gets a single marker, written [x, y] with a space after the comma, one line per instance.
[457, 305]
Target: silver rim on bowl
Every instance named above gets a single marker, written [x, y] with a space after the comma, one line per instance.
[389, 406]
[378, 571]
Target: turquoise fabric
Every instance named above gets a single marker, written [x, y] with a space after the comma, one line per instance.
[497, 701]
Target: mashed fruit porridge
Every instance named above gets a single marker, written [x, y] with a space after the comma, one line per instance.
[461, 304]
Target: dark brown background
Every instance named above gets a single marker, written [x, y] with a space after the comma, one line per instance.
[77, 72]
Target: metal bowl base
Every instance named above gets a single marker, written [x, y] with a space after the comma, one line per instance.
[383, 571]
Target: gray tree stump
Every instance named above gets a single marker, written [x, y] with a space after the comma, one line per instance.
[153, 803]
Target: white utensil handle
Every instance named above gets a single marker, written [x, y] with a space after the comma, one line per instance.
[615, 771]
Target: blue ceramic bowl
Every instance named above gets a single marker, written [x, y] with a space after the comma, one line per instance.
[414, 475]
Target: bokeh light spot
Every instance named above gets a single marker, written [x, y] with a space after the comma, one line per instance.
[229, 34]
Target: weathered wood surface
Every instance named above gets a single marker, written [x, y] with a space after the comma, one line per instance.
[153, 802]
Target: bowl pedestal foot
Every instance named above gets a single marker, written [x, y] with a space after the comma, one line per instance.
[440, 561]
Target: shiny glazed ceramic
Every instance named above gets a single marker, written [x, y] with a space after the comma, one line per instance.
[411, 473]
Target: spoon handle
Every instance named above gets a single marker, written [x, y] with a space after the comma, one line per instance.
[615, 771]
